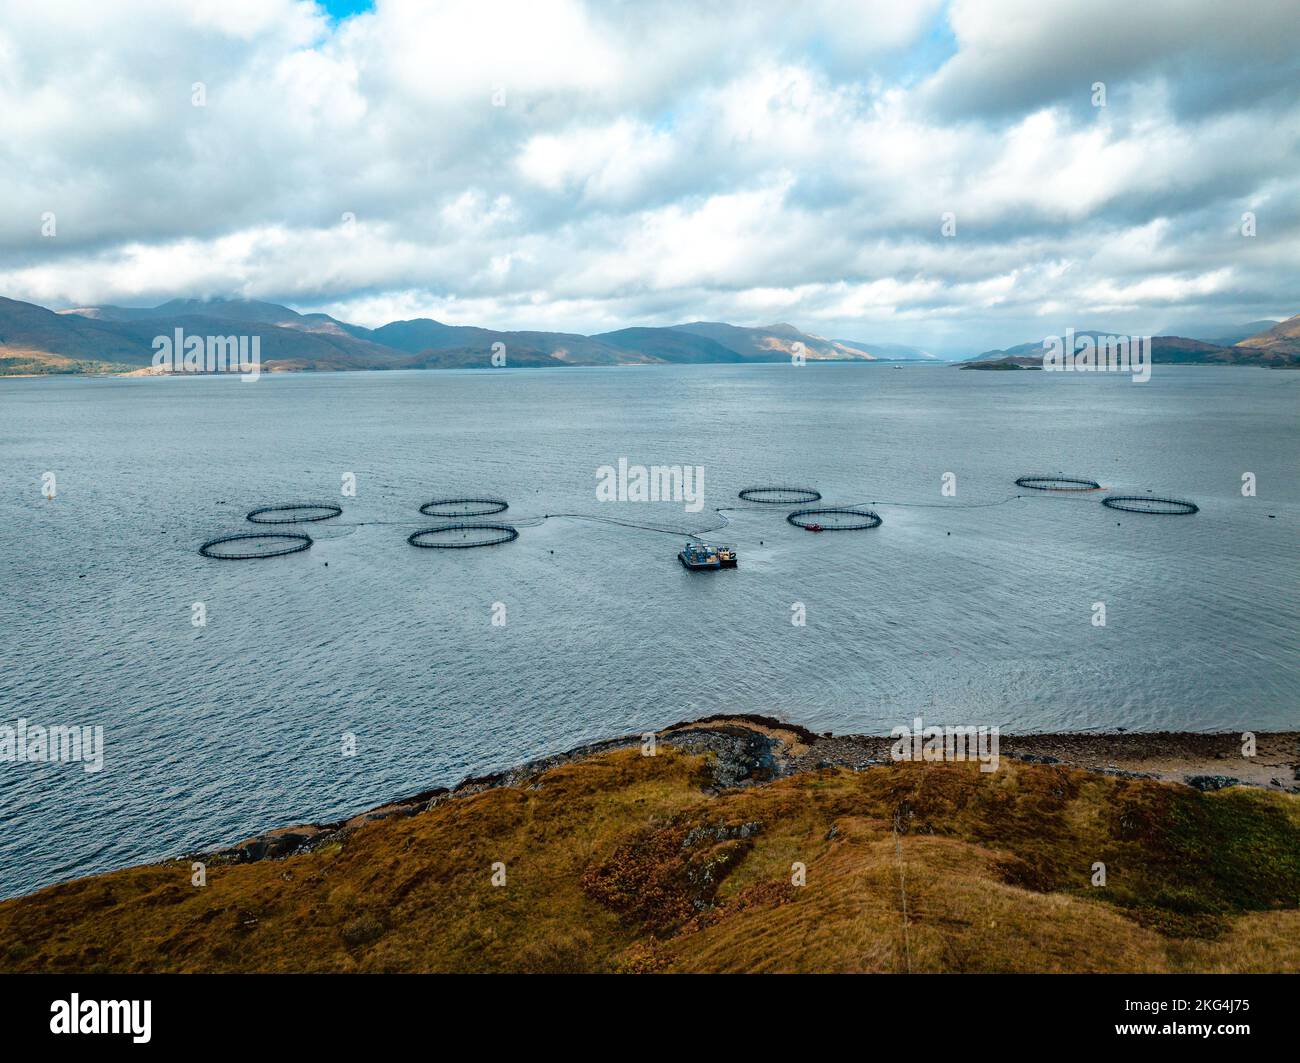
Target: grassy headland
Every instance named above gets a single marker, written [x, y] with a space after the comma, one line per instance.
[684, 861]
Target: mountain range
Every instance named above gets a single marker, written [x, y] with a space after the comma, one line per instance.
[34, 339]
[115, 339]
[1275, 344]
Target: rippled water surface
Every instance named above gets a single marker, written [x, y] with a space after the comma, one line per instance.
[976, 608]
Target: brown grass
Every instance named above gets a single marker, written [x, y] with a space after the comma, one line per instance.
[626, 863]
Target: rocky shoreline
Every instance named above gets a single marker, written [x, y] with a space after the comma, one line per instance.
[750, 748]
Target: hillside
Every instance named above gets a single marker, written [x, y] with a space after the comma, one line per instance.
[1283, 339]
[425, 337]
[225, 311]
[125, 336]
[36, 340]
[1219, 335]
[220, 309]
[476, 356]
[110, 339]
[896, 352]
[17, 361]
[283, 347]
[1276, 348]
[31, 331]
[687, 860]
[670, 345]
[772, 343]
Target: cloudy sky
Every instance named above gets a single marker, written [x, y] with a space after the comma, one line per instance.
[585, 166]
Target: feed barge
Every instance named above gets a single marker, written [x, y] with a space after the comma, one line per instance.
[702, 556]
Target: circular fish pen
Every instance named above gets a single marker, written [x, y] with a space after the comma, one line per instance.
[1057, 483]
[835, 518]
[464, 507]
[311, 511]
[1168, 507]
[297, 542]
[780, 496]
[472, 535]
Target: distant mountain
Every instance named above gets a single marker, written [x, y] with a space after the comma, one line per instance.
[898, 352]
[670, 345]
[773, 343]
[1180, 349]
[1281, 340]
[423, 333]
[28, 331]
[1220, 335]
[1268, 349]
[122, 335]
[224, 309]
[1031, 349]
[248, 310]
[424, 336]
[107, 339]
[125, 335]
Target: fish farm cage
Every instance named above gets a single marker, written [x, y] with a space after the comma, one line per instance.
[464, 507]
[313, 511]
[835, 518]
[297, 543]
[1169, 507]
[1057, 483]
[781, 496]
[472, 535]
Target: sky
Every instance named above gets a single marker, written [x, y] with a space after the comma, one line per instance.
[946, 175]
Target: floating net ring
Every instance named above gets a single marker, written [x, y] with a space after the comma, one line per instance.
[780, 496]
[496, 534]
[296, 542]
[294, 513]
[464, 507]
[1171, 507]
[1057, 483]
[835, 518]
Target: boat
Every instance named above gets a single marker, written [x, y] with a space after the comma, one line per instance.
[699, 556]
[813, 527]
[727, 557]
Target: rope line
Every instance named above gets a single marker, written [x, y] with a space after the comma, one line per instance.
[902, 889]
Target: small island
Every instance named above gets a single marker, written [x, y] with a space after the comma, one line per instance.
[1004, 363]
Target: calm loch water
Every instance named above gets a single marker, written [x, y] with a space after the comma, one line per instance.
[969, 609]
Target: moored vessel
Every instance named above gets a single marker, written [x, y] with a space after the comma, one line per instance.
[699, 556]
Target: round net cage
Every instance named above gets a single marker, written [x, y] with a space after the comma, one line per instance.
[1171, 507]
[464, 507]
[1057, 483]
[780, 496]
[250, 546]
[835, 518]
[294, 513]
[463, 536]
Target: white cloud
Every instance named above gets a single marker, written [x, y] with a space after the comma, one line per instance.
[612, 164]
[655, 162]
[1024, 54]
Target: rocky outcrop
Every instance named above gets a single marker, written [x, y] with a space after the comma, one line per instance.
[1211, 782]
